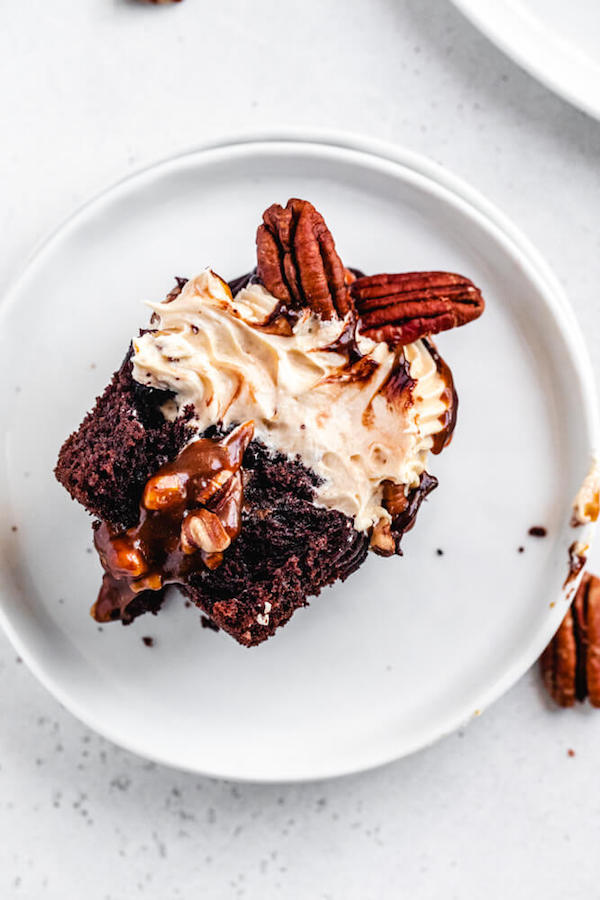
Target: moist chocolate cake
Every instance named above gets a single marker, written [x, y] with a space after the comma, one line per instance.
[263, 435]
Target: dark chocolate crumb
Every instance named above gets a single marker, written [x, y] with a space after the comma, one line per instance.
[537, 531]
[123, 440]
[100, 628]
[570, 752]
[14, 528]
[521, 549]
[148, 641]
[439, 552]
[187, 604]
[208, 623]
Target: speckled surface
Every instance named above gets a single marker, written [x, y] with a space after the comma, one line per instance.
[96, 88]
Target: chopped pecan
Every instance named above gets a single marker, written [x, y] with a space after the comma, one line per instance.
[570, 663]
[297, 261]
[394, 498]
[124, 559]
[164, 491]
[382, 540]
[385, 536]
[203, 530]
[401, 308]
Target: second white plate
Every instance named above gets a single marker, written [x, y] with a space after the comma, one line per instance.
[408, 648]
[555, 42]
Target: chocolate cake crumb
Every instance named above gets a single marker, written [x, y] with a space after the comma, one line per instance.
[148, 641]
[207, 623]
[537, 531]
[570, 752]
[439, 552]
[521, 550]
[187, 604]
[105, 464]
[14, 528]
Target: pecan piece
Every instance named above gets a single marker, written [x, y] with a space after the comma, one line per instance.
[164, 491]
[382, 540]
[394, 498]
[570, 663]
[401, 308]
[203, 530]
[297, 261]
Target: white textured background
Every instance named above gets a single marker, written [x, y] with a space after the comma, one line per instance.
[92, 90]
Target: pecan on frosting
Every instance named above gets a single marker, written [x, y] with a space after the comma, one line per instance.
[190, 513]
[404, 307]
[570, 664]
[297, 261]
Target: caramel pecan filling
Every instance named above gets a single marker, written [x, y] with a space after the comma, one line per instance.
[190, 513]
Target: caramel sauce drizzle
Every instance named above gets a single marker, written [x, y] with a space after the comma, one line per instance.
[449, 396]
[190, 512]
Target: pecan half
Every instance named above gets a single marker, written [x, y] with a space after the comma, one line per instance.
[570, 663]
[401, 308]
[297, 261]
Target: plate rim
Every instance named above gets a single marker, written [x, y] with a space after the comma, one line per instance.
[557, 302]
[517, 36]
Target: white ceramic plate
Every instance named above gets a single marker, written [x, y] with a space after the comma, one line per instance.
[407, 649]
[554, 41]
